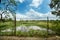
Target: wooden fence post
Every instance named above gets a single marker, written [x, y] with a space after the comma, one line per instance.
[47, 28]
[15, 24]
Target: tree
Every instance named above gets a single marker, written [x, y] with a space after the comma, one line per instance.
[9, 6]
[55, 4]
[6, 4]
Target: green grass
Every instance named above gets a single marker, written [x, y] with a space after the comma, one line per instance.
[32, 33]
[53, 25]
[6, 25]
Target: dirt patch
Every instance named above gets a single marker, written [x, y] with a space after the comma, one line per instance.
[27, 38]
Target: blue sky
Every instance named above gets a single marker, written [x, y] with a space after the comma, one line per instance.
[32, 9]
[43, 7]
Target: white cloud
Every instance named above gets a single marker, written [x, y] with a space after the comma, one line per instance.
[33, 15]
[49, 15]
[20, 16]
[36, 3]
[21, 1]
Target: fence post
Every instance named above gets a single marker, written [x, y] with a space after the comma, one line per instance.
[56, 26]
[15, 25]
[47, 28]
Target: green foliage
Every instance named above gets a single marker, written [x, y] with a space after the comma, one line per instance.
[13, 2]
[21, 34]
[6, 25]
[32, 33]
[53, 25]
[56, 27]
[6, 33]
[55, 4]
[7, 8]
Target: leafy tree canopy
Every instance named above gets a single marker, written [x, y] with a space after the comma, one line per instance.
[9, 5]
[55, 4]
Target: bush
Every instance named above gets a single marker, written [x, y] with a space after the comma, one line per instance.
[32, 33]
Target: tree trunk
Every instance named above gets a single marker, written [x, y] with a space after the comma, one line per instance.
[1, 17]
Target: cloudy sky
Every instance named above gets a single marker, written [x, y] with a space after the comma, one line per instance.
[33, 9]
[41, 6]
